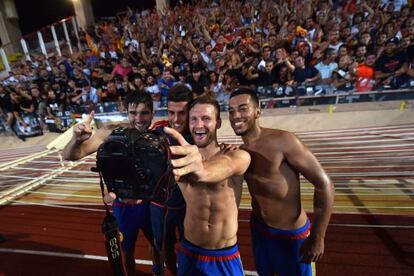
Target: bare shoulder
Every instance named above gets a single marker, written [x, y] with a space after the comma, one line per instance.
[282, 137]
[273, 141]
[237, 153]
[272, 137]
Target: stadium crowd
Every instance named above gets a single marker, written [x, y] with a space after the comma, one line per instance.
[213, 46]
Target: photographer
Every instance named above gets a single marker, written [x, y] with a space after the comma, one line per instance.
[131, 215]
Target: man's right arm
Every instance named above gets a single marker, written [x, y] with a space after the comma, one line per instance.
[217, 169]
[234, 163]
[77, 149]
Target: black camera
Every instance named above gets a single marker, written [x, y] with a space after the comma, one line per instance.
[136, 164]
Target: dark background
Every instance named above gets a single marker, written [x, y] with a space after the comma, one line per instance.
[36, 14]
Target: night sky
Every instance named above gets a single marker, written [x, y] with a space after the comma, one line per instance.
[39, 13]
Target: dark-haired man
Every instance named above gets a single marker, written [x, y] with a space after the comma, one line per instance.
[173, 212]
[283, 242]
[392, 66]
[131, 215]
[210, 181]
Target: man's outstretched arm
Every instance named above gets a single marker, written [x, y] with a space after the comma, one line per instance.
[215, 170]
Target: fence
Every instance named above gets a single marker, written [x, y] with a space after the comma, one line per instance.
[284, 100]
[49, 40]
[108, 111]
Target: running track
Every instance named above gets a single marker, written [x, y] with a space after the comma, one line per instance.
[50, 210]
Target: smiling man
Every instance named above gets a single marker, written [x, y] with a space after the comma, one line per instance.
[283, 242]
[131, 215]
[179, 100]
[210, 181]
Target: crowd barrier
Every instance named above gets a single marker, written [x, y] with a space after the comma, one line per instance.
[270, 97]
[105, 112]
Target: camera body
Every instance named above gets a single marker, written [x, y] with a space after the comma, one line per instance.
[135, 164]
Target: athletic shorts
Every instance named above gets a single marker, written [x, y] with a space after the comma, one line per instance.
[174, 221]
[131, 218]
[197, 261]
[278, 251]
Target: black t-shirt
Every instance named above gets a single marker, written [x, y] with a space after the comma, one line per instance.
[266, 79]
[40, 81]
[243, 80]
[388, 64]
[300, 75]
[25, 103]
[78, 81]
[36, 102]
[5, 103]
[198, 86]
[54, 105]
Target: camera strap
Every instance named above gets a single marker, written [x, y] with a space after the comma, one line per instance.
[112, 239]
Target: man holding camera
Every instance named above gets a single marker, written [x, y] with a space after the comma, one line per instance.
[211, 183]
[131, 215]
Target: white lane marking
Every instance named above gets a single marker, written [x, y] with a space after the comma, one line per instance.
[81, 256]
[358, 225]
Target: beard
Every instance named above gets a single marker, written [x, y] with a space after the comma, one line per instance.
[205, 141]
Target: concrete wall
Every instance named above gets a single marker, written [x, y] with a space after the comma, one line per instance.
[344, 116]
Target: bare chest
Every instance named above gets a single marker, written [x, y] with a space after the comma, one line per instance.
[270, 176]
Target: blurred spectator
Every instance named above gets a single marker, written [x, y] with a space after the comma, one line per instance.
[391, 67]
[213, 46]
[198, 82]
[326, 68]
[364, 74]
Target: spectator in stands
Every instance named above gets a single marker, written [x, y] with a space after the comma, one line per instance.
[198, 82]
[226, 40]
[365, 74]
[326, 68]
[304, 75]
[6, 106]
[264, 77]
[342, 76]
[164, 84]
[154, 90]
[334, 41]
[122, 69]
[361, 51]
[391, 67]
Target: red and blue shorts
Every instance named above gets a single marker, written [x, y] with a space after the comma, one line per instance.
[131, 218]
[197, 261]
[278, 251]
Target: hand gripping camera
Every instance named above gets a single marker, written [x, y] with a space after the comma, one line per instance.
[136, 164]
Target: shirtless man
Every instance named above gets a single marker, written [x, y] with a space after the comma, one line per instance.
[212, 190]
[283, 242]
[131, 215]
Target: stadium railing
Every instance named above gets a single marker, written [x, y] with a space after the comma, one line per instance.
[46, 41]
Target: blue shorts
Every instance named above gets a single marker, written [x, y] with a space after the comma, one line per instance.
[197, 261]
[278, 251]
[174, 221]
[131, 218]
